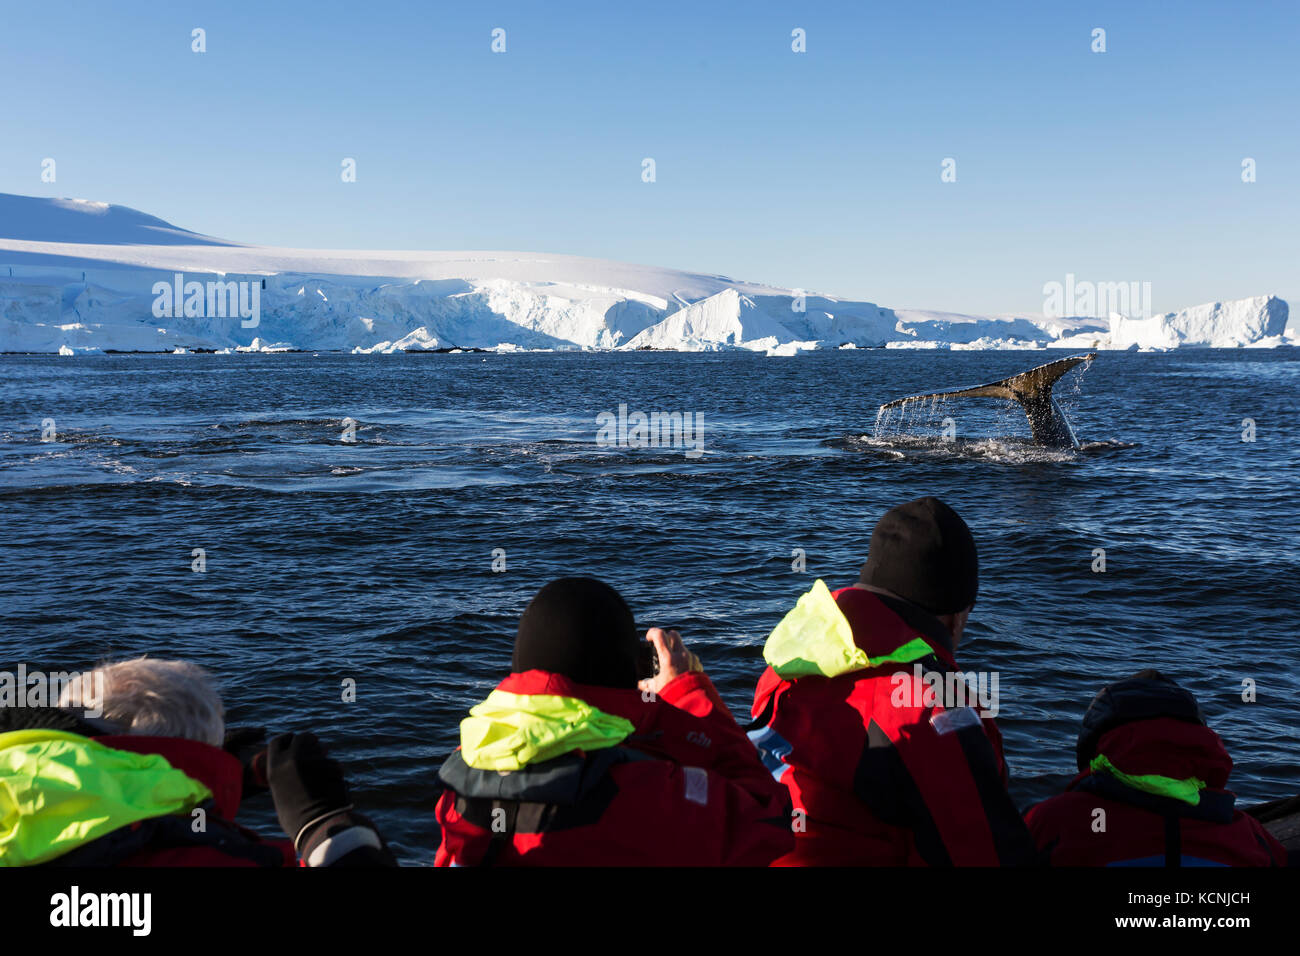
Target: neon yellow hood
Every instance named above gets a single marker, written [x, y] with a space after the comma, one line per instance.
[815, 638]
[1188, 791]
[59, 791]
[510, 731]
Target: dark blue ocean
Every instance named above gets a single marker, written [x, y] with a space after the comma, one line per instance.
[372, 559]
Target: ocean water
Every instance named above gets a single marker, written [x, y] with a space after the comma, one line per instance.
[367, 555]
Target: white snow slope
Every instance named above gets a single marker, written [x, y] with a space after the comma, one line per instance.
[79, 276]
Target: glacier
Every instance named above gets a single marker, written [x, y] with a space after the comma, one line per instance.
[78, 277]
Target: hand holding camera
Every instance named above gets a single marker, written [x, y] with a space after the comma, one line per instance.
[671, 657]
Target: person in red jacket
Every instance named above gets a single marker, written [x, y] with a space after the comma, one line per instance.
[569, 762]
[862, 715]
[131, 771]
[1151, 789]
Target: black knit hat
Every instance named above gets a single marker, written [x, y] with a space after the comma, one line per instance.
[923, 552]
[1146, 695]
[582, 629]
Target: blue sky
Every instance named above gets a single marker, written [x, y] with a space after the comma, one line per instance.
[818, 170]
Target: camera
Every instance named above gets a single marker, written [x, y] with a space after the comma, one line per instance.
[647, 661]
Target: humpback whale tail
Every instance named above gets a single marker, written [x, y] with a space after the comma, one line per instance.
[1032, 390]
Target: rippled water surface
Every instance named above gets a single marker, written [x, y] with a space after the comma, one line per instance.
[371, 559]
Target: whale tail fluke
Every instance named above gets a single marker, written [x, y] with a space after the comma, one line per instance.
[1032, 390]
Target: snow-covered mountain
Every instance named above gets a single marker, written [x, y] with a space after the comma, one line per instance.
[79, 276]
[80, 220]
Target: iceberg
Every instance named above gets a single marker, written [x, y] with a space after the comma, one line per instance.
[83, 277]
[1257, 322]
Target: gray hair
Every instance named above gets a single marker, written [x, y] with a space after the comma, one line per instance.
[151, 697]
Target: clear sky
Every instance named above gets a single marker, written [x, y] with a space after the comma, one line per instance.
[816, 170]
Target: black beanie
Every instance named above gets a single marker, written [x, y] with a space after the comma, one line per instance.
[1144, 696]
[923, 552]
[582, 629]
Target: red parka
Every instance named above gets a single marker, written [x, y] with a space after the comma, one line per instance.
[880, 772]
[1158, 799]
[683, 786]
[209, 838]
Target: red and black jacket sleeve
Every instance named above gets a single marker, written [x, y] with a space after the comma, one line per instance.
[945, 782]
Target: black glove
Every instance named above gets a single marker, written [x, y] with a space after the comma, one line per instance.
[248, 746]
[306, 784]
[365, 856]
